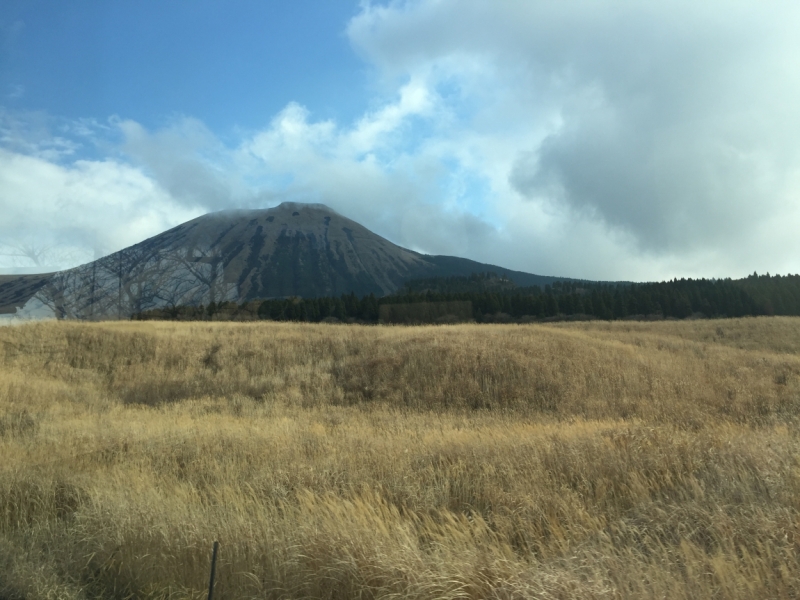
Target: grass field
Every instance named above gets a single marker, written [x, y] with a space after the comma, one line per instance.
[587, 460]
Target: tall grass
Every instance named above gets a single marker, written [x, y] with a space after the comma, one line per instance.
[621, 460]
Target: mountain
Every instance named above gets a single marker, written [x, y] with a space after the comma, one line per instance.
[294, 249]
[16, 290]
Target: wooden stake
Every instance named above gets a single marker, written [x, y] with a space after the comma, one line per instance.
[213, 570]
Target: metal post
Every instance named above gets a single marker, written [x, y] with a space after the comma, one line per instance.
[213, 570]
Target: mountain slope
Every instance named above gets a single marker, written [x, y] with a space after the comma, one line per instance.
[293, 249]
[16, 290]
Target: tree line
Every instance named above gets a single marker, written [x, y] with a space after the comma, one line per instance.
[494, 301]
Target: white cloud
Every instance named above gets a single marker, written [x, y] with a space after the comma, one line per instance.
[78, 211]
[372, 129]
[667, 129]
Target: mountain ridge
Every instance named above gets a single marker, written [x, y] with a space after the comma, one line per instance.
[293, 249]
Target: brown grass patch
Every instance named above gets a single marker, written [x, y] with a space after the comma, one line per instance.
[591, 460]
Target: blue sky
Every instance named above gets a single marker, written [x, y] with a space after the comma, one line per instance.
[615, 140]
[230, 64]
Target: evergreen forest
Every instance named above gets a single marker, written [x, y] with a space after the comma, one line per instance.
[495, 298]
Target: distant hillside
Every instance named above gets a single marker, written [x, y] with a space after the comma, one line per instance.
[293, 250]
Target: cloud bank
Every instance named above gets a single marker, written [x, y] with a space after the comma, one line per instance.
[616, 140]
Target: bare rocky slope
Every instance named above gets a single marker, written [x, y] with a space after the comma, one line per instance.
[293, 249]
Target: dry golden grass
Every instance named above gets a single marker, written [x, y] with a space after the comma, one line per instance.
[621, 460]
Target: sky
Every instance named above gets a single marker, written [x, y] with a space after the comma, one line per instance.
[615, 140]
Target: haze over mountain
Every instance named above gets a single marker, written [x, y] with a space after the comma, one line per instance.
[294, 249]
